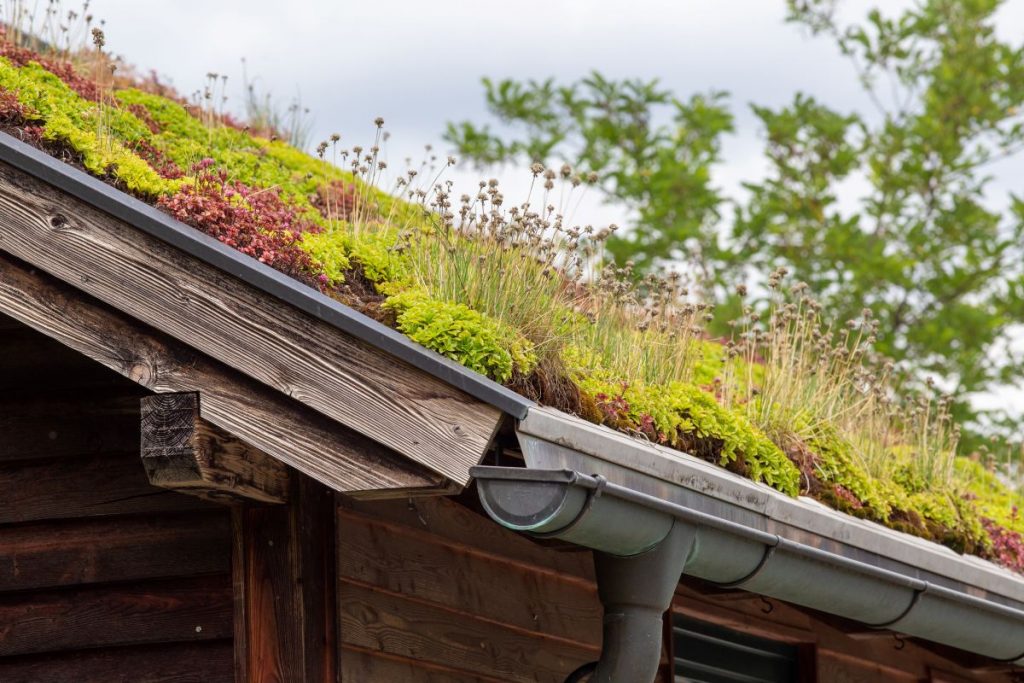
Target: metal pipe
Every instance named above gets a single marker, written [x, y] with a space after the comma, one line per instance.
[635, 592]
[729, 553]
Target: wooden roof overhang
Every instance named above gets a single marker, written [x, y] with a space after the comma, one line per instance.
[285, 370]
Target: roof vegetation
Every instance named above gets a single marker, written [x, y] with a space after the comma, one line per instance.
[517, 292]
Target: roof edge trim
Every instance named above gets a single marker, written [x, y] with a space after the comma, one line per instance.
[157, 224]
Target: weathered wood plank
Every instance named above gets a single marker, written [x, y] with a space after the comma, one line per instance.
[359, 665]
[183, 452]
[396, 625]
[459, 576]
[284, 585]
[172, 663]
[452, 522]
[278, 426]
[67, 553]
[67, 424]
[154, 612]
[33, 364]
[83, 487]
[344, 378]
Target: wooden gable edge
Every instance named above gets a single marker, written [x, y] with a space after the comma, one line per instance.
[266, 420]
[347, 379]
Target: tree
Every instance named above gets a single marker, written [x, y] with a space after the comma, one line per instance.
[923, 248]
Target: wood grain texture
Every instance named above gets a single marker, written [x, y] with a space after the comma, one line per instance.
[84, 551]
[359, 665]
[284, 587]
[452, 523]
[346, 379]
[183, 452]
[276, 425]
[396, 625]
[431, 587]
[459, 576]
[174, 663]
[32, 365]
[176, 610]
[83, 487]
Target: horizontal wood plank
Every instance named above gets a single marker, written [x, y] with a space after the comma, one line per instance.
[455, 523]
[180, 610]
[32, 364]
[278, 426]
[170, 663]
[359, 665]
[68, 424]
[396, 625]
[83, 487]
[66, 553]
[459, 576]
[342, 377]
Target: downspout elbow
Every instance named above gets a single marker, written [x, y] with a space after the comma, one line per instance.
[635, 592]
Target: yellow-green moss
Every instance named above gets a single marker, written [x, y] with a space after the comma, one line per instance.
[990, 496]
[462, 334]
[681, 413]
[94, 131]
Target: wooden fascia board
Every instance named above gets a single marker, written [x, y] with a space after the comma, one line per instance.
[267, 420]
[349, 380]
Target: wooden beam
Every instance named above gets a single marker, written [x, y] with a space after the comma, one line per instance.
[276, 425]
[406, 409]
[185, 453]
[284, 586]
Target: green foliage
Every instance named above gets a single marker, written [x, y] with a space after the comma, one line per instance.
[249, 159]
[922, 248]
[87, 127]
[604, 126]
[680, 415]
[510, 291]
[991, 496]
[456, 331]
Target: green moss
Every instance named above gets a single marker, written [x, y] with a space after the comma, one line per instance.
[93, 130]
[251, 160]
[990, 496]
[680, 414]
[836, 465]
[684, 416]
[462, 334]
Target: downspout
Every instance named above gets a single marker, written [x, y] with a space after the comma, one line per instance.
[638, 560]
[642, 545]
[636, 591]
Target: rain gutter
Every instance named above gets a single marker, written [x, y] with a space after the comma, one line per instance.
[655, 513]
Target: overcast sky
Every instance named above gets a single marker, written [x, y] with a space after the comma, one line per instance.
[418, 64]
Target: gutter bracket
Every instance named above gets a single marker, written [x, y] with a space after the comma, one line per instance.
[769, 550]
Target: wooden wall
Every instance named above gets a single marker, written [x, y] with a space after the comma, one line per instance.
[103, 579]
[433, 592]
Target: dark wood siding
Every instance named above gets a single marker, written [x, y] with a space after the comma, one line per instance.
[433, 592]
[103, 578]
